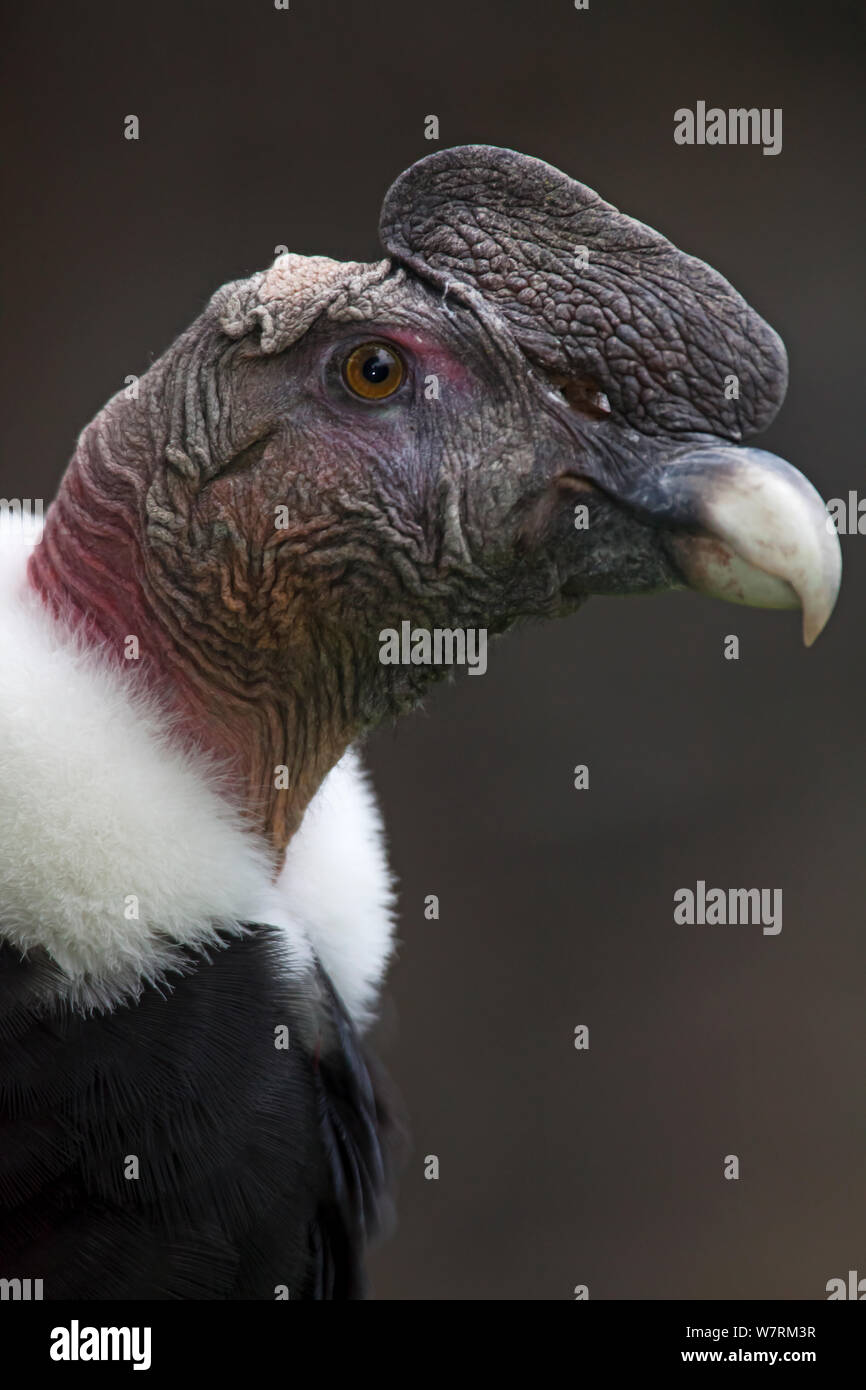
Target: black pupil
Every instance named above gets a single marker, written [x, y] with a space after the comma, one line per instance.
[377, 367]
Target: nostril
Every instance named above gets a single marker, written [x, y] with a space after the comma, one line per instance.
[574, 482]
[583, 394]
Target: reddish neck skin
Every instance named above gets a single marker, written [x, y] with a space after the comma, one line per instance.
[88, 570]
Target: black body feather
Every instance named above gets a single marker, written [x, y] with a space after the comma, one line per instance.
[259, 1167]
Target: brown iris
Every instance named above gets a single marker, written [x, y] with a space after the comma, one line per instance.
[373, 371]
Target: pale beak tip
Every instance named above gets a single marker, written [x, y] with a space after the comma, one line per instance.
[815, 622]
[818, 611]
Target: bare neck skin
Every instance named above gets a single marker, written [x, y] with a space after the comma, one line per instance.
[221, 699]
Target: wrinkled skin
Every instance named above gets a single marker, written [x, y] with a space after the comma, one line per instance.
[602, 385]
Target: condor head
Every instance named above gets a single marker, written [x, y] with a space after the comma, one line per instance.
[532, 399]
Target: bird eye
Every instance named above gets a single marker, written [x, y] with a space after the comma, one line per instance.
[373, 371]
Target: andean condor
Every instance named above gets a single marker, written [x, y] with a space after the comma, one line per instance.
[195, 909]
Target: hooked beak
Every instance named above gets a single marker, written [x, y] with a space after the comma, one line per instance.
[657, 332]
[743, 525]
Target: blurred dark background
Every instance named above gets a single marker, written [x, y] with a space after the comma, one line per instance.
[557, 1167]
